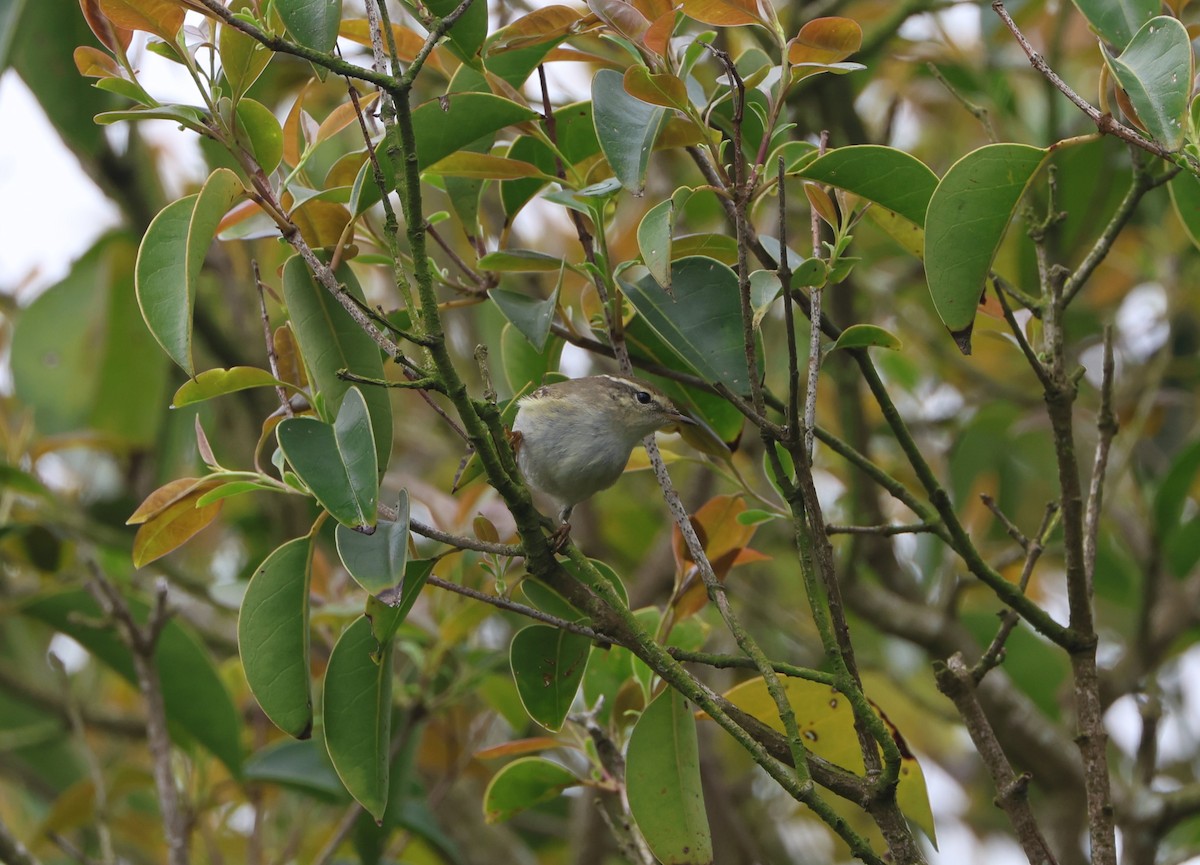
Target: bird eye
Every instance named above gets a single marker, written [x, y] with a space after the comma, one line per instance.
[643, 397]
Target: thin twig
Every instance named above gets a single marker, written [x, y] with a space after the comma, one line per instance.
[955, 681]
[521, 609]
[814, 330]
[272, 357]
[142, 641]
[1106, 123]
[741, 662]
[1106, 427]
[1009, 526]
[883, 531]
[462, 542]
[789, 313]
[1033, 551]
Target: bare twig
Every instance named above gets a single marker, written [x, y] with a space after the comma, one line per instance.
[882, 531]
[1009, 526]
[461, 541]
[814, 331]
[521, 609]
[956, 682]
[1033, 551]
[1106, 426]
[142, 641]
[272, 357]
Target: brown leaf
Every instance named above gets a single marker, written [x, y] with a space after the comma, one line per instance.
[172, 527]
[115, 38]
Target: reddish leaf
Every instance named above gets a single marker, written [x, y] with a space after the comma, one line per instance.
[115, 38]
[620, 16]
[167, 495]
[654, 9]
[542, 25]
[724, 13]
[160, 17]
[724, 540]
[520, 746]
[657, 37]
[825, 40]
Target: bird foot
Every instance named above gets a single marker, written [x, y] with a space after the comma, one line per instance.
[560, 537]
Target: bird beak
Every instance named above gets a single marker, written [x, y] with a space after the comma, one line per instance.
[680, 417]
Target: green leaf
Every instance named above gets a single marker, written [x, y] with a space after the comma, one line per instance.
[313, 23]
[170, 258]
[1117, 20]
[260, 131]
[194, 696]
[523, 784]
[1185, 197]
[336, 461]
[1172, 494]
[626, 128]
[330, 342]
[891, 178]
[867, 336]
[576, 135]
[661, 88]
[700, 318]
[377, 561]
[520, 261]
[297, 765]
[273, 637]
[231, 489]
[243, 58]
[185, 115]
[531, 316]
[386, 617]
[967, 218]
[654, 240]
[1155, 70]
[524, 366]
[468, 33]
[218, 382]
[81, 356]
[444, 126]
[548, 665]
[662, 776]
[357, 708]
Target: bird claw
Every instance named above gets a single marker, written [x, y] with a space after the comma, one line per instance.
[560, 537]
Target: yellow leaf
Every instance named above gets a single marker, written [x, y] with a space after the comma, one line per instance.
[173, 526]
[826, 724]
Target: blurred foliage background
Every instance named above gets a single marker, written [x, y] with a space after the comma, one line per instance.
[87, 433]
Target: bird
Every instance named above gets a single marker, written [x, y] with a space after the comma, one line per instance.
[573, 438]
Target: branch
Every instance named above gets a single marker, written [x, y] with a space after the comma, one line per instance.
[142, 640]
[521, 609]
[1106, 426]
[956, 682]
[1106, 123]
[277, 43]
